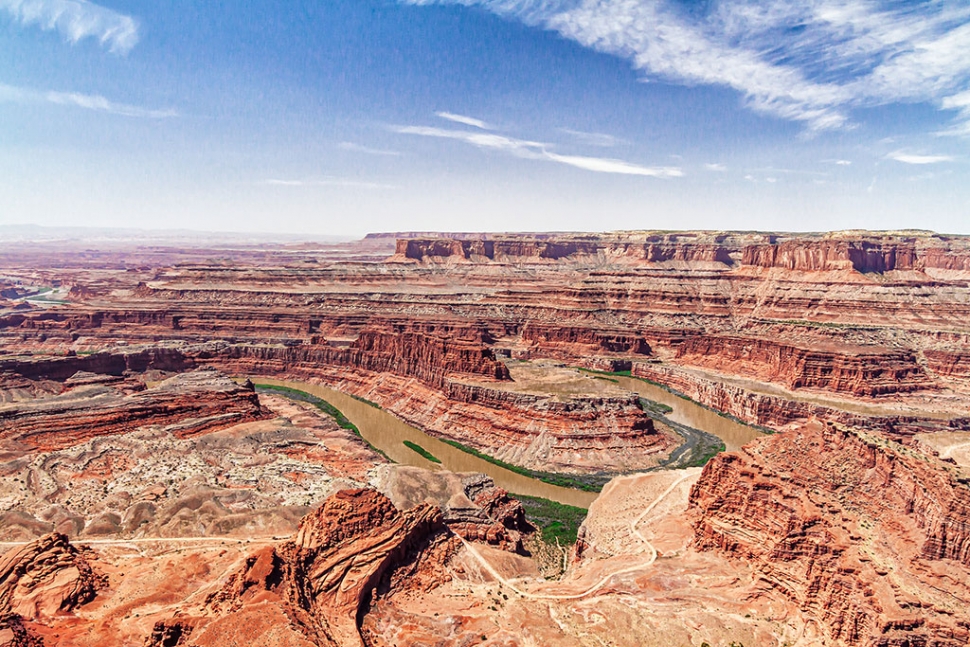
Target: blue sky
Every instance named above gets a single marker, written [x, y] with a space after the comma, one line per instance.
[485, 115]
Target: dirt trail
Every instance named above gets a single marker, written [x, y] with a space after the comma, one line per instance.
[603, 581]
[948, 452]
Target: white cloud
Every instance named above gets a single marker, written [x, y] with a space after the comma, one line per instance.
[717, 167]
[94, 102]
[462, 119]
[606, 165]
[601, 140]
[909, 158]
[540, 151]
[842, 163]
[961, 103]
[330, 181]
[76, 20]
[357, 148]
[811, 61]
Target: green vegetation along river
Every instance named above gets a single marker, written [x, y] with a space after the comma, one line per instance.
[388, 433]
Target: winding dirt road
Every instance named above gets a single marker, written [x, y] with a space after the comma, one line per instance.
[602, 581]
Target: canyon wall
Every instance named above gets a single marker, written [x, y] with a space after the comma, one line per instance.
[860, 371]
[859, 532]
[197, 402]
[779, 412]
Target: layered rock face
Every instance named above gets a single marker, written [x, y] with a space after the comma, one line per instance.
[95, 406]
[568, 342]
[431, 357]
[40, 581]
[954, 365]
[118, 362]
[540, 249]
[861, 371]
[323, 579]
[776, 411]
[870, 538]
[879, 255]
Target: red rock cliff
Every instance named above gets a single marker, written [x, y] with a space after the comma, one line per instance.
[323, 579]
[861, 371]
[869, 538]
[198, 401]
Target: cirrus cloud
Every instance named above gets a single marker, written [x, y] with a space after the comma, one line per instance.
[812, 62]
[77, 20]
[95, 102]
[910, 158]
[540, 151]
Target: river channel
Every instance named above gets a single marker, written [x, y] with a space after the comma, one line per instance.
[733, 433]
[388, 433]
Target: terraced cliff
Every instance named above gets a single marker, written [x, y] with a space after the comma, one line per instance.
[870, 538]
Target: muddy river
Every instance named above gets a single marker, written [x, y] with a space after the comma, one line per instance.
[388, 433]
[734, 434]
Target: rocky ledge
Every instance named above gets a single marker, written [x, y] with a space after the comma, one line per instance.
[870, 538]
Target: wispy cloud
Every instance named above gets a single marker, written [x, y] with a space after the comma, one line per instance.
[467, 121]
[910, 158]
[77, 20]
[961, 103]
[811, 61]
[606, 165]
[842, 162]
[720, 168]
[330, 181]
[601, 140]
[540, 151]
[94, 102]
[367, 150]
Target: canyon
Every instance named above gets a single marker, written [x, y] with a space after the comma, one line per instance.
[154, 490]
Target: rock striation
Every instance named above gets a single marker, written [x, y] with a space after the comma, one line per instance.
[91, 406]
[39, 581]
[868, 537]
[323, 579]
[471, 504]
[859, 371]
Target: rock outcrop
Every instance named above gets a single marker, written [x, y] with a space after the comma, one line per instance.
[198, 401]
[471, 505]
[324, 578]
[871, 539]
[859, 371]
[46, 578]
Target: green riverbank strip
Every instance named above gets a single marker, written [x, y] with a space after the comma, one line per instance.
[369, 403]
[590, 483]
[698, 447]
[555, 521]
[322, 405]
[421, 451]
[681, 395]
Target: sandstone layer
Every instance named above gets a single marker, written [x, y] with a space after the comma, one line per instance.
[870, 538]
[120, 429]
